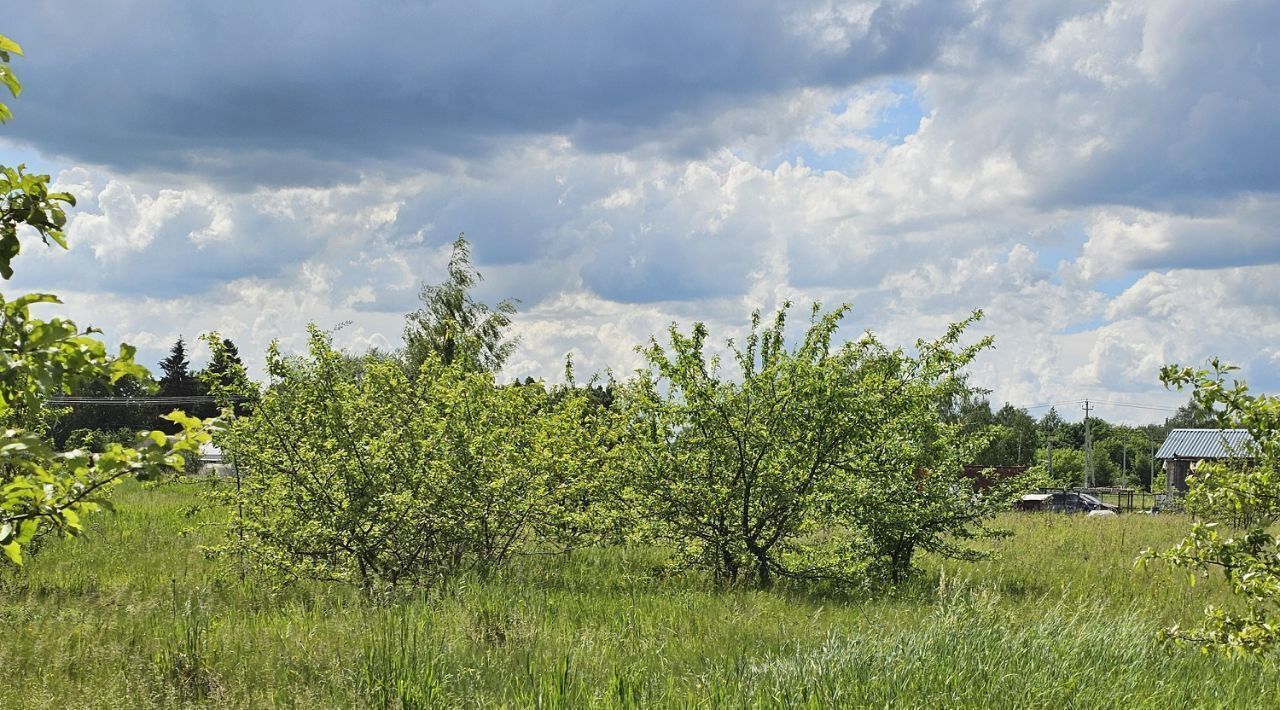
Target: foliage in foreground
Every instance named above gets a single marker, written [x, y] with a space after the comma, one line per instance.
[818, 462]
[1238, 500]
[356, 473]
[43, 489]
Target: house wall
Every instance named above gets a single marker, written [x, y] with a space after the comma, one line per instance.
[210, 468]
[1175, 473]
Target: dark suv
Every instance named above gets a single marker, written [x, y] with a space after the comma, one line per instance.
[1076, 502]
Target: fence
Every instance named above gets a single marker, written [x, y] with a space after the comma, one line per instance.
[1126, 499]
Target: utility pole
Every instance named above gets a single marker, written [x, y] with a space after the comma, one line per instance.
[1151, 482]
[1049, 455]
[1088, 448]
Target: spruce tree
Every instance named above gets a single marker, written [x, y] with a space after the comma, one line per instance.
[177, 380]
[225, 366]
[225, 375]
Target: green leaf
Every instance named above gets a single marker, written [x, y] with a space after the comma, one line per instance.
[27, 531]
[13, 551]
[30, 298]
[8, 78]
[8, 45]
[103, 503]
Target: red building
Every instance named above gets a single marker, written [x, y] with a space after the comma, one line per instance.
[984, 477]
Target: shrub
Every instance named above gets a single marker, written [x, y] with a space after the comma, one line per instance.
[820, 462]
[363, 475]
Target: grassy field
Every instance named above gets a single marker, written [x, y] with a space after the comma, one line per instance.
[135, 615]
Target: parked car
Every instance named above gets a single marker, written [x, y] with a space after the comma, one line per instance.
[1064, 502]
[1076, 502]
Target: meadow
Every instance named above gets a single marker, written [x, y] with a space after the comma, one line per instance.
[135, 614]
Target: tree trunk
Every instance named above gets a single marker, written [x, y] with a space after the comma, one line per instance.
[900, 563]
[766, 574]
[728, 566]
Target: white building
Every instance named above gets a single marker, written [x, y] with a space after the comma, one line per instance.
[212, 463]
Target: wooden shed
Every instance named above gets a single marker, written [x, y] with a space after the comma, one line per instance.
[1183, 449]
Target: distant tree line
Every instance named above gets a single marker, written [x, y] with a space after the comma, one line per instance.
[1122, 453]
[93, 426]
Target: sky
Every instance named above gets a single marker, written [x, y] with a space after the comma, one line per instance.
[1102, 179]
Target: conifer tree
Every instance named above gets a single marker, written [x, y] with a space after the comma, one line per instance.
[225, 366]
[225, 377]
[177, 379]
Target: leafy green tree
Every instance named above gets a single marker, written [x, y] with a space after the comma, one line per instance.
[1128, 456]
[225, 372]
[43, 489]
[1106, 461]
[969, 407]
[817, 462]
[1049, 423]
[1192, 415]
[1244, 490]
[1067, 470]
[455, 328]
[365, 476]
[1069, 434]
[1014, 440]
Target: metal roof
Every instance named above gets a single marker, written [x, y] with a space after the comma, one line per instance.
[1206, 444]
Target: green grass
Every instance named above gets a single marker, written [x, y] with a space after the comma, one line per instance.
[134, 615]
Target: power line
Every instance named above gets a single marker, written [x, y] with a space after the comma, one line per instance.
[1137, 406]
[141, 401]
[1152, 407]
[1054, 404]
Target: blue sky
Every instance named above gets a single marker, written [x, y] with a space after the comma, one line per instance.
[1100, 177]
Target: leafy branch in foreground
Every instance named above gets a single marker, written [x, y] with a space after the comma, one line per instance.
[42, 489]
[47, 490]
[8, 48]
[1237, 501]
[25, 201]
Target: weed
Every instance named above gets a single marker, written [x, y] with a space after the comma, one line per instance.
[185, 663]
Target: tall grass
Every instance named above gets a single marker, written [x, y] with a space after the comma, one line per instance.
[136, 616]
